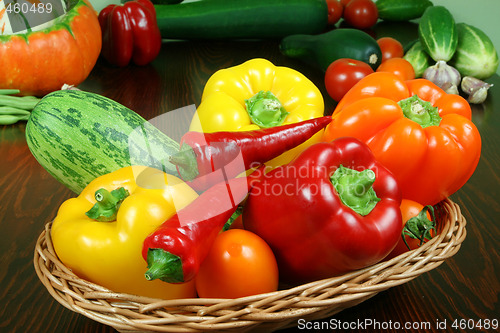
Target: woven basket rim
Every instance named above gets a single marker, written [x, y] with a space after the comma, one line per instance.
[271, 311]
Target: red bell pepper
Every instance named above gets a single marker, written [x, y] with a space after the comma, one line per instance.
[203, 155]
[130, 32]
[333, 209]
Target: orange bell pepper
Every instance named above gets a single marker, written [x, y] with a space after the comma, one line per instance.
[424, 136]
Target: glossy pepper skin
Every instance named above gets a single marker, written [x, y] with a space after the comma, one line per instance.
[202, 155]
[108, 252]
[424, 136]
[257, 94]
[332, 210]
[176, 249]
[130, 33]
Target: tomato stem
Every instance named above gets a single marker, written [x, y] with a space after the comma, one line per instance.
[420, 227]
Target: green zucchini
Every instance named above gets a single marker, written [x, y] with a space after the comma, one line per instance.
[323, 49]
[401, 10]
[475, 55]
[242, 19]
[438, 34]
[78, 136]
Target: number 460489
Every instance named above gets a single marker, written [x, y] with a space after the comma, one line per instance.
[481, 324]
[26, 8]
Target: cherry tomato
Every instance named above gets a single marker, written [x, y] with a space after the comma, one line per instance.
[361, 14]
[410, 209]
[335, 9]
[391, 48]
[343, 74]
[239, 264]
[399, 66]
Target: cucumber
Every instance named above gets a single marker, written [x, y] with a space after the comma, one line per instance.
[78, 136]
[321, 50]
[242, 19]
[438, 34]
[401, 10]
[418, 58]
[475, 55]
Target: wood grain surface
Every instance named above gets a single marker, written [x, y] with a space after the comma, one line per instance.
[466, 287]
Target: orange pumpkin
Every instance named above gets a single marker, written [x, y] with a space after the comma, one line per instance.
[39, 62]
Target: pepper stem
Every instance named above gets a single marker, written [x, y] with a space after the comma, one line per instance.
[420, 111]
[265, 109]
[420, 227]
[186, 163]
[165, 266]
[355, 189]
[107, 204]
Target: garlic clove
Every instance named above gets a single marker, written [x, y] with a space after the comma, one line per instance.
[476, 89]
[478, 96]
[450, 88]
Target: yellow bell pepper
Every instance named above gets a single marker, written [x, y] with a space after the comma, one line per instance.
[258, 94]
[99, 234]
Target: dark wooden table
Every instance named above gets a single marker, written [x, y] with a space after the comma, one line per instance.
[464, 288]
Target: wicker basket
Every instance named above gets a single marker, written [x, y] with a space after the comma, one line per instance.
[264, 312]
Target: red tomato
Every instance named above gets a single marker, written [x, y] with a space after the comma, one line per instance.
[239, 264]
[399, 66]
[344, 2]
[343, 74]
[391, 48]
[335, 9]
[410, 209]
[361, 14]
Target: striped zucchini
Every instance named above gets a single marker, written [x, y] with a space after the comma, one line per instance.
[437, 33]
[78, 136]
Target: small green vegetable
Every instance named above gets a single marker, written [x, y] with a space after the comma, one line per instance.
[401, 10]
[475, 55]
[418, 58]
[438, 34]
[323, 49]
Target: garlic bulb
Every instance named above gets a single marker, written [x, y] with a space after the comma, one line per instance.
[443, 75]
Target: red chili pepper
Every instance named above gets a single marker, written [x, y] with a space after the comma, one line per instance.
[176, 249]
[203, 154]
[130, 32]
[333, 209]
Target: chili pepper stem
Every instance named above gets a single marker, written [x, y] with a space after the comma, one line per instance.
[265, 109]
[107, 204]
[420, 111]
[186, 163]
[165, 266]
